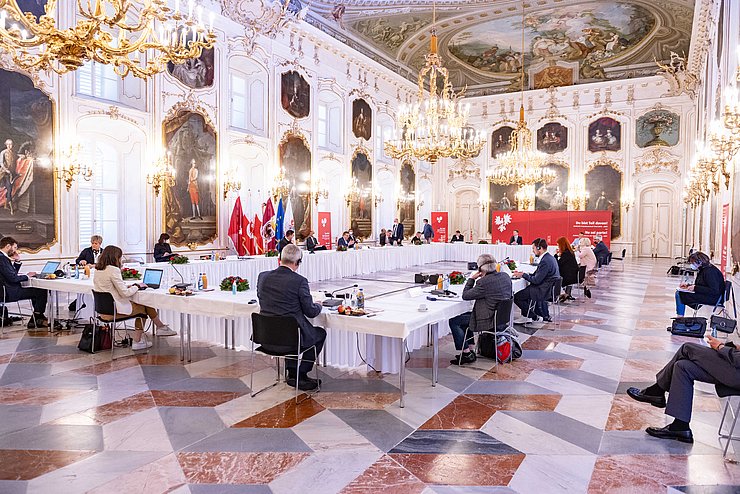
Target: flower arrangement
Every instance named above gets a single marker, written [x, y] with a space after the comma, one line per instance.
[457, 278]
[242, 285]
[341, 248]
[130, 274]
[178, 259]
[510, 264]
[272, 253]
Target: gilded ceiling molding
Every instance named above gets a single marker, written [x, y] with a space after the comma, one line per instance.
[605, 112]
[679, 79]
[331, 157]
[190, 103]
[7, 64]
[360, 149]
[464, 169]
[557, 162]
[294, 64]
[115, 114]
[604, 161]
[657, 159]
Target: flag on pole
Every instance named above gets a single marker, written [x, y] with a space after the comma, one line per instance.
[247, 238]
[288, 222]
[279, 220]
[268, 226]
[236, 232]
[259, 247]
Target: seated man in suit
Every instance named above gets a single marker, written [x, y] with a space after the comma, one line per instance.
[312, 244]
[490, 288]
[383, 237]
[416, 239]
[11, 280]
[286, 240]
[457, 237]
[397, 232]
[601, 251]
[540, 285]
[89, 255]
[283, 292]
[717, 364]
[344, 241]
[427, 231]
[515, 239]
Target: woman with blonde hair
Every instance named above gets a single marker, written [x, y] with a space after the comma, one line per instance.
[588, 259]
[108, 279]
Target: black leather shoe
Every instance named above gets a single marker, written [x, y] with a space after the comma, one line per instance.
[639, 395]
[467, 358]
[587, 292]
[303, 384]
[666, 433]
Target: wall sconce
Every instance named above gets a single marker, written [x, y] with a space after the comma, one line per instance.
[378, 199]
[577, 197]
[162, 173]
[281, 187]
[418, 206]
[627, 201]
[318, 191]
[525, 197]
[353, 194]
[231, 183]
[71, 167]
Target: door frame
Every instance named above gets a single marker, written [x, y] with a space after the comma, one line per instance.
[640, 209]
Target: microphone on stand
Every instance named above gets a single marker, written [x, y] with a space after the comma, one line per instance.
[182, 285]
[335, 302]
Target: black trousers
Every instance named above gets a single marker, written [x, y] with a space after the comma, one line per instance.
[37, 296]
[308, 359]
[693, 362]
[523, 299]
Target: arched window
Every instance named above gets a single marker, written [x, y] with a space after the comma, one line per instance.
[98, 198]
[330, 128]
[248, 97]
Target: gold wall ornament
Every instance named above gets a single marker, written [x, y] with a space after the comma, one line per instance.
[231, 182]
[464, 169]
[71, 166]
[281, 185]
[270, 18]
[657, 159]
[161, 173]
[603, 161]
[319, 191]
[109, 32]
[577, 197]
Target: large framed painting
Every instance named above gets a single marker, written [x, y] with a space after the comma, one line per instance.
[500, 198]
[605, 134]
[362, 119]
[604, 186]
[551, 196]
[295, 158]
[658, 128]
[197, 72]
[552, 138]
[27, 187]
[407, 212]
[295, 94]
[191, 204]
[361, 219]
[500, 140]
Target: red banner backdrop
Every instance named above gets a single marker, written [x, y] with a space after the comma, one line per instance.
[324, 235]
[550, 225]
[725, 232]
[439, 225]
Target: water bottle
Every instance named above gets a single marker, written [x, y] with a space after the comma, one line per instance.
[446, 283]
[68, 270]
[213, 255]
[353, 300]
[233, 287]
[360, 299]
[77, 272]
[200, 281]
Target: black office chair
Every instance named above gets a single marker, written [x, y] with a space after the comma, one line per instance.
[501, 317]
[278, 331]
[105, 305]
[624, 254]
[727, 392]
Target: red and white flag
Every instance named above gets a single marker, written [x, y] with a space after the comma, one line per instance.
[236, 232]
[259, 247]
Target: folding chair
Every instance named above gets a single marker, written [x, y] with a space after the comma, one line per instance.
[624, 254]
[727, 295]
[279, 331]
[105, 308]
[6, 301]
[727, 392]
[501, 317]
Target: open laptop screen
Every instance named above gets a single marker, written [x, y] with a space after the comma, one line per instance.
[50, 267]
[152, 277]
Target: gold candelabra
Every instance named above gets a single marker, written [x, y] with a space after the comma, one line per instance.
[111, 32]
[281, 187]
[577, 197]
[378, 199]
[231, 183]
[162, 173]
[627, 201]
[353, 193]
[525, 197]
[71, 166]
[319, 191]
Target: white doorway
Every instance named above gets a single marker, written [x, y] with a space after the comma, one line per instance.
[656, 222]
[466, 217]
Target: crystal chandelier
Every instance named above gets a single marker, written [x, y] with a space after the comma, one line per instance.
[111, 32]
[522, 165]
[525, 197]
[231, 182]
[162, 173]
[436, 126]
[353, 193]
[577, 196]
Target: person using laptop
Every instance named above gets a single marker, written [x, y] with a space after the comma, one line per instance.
[108, 279]
[11, 280]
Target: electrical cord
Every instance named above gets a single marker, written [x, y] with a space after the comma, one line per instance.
[357, 339]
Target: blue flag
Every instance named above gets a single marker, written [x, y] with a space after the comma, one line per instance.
[279, 218]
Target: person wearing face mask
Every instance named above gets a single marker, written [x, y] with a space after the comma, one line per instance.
[162, 250]
[352, 238]
[540, 282]
[89, 255]
[708, 287]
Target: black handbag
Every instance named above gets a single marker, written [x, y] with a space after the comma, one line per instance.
[103, 339]
[694, 327]
[722, 322]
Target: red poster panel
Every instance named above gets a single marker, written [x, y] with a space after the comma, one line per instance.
[725, 223]
[504, 224]
[591, 223]
[439, 225]
[550, 225]
[324, 235]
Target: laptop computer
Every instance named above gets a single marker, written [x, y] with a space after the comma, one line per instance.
[49, 268]
[152, 278]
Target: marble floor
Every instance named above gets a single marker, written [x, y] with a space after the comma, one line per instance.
[557, 420]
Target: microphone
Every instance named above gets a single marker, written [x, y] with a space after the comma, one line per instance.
[331, 294]
[182, 285]
[334, 302]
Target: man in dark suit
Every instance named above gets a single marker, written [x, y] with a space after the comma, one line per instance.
[286, 240]
[283, 292]
[490, 289]
[312, 244]
[345, 241]
[427, 231]
[540, 285]
[601, 251]
[457, 237]
[515, 239]
[89, 255]
[717, 364]
[11, 280]
[397, 232]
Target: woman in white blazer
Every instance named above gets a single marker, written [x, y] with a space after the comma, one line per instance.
[587, 258]
[108, 279]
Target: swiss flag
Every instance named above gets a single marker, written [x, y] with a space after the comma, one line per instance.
[236, 233]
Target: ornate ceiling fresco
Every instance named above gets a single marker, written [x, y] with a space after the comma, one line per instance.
[566, 41]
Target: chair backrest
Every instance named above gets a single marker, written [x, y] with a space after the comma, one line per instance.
[581, 273]
[624, 253]
[275, 330]
[557, 287]
[722, 300]
[503, 314]
[104, 303]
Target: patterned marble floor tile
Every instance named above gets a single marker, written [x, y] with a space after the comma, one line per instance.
[34, 396]
[163, 475]
[327, 432]
[519, 370]
[461, 469]
[238, 369]
[251, 441]
[452, 442]
[164, 398]
[570, 430]
[99, 368]
[553, 474]
[387, 476]
[142, 431]
[461, 413]
[55, 437]
[378, 426]
[356, 401]
[188, 425]
[284, 415]
[329, 471]
[235, 467]
[110, 412]
[19, 464]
